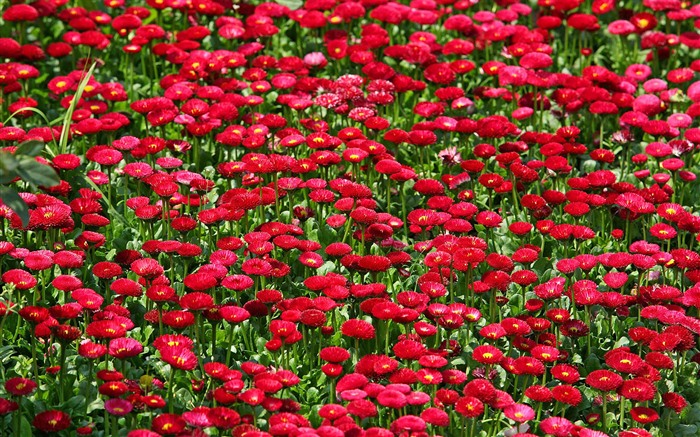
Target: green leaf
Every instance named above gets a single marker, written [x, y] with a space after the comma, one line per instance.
[24, 426]
[113, 212]
[681, 430]
[291, 4]
[327, 267]
[37, 174]
[8, 164]
[6, 352]
[623, 341]
[312, 393]
[692, 415]
[7, 177]
[97, 404]
[30, 148]
[458, 362]
[591, 363]
[311, 229]
[10, 198]
[63, 141]
[73, 403]
[42, 115]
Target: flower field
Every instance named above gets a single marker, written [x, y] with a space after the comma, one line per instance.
[356, 218]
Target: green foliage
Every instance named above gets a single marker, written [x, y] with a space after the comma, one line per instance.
[23, 165]
[291, 4]
[63, 141]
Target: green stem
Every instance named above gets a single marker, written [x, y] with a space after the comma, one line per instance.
[603, 419]
[622, 412]
[35, 365]
[171, 406]
[229, 343]
[62, 374]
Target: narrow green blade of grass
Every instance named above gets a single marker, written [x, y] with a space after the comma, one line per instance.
[63, 141]
[41, 114]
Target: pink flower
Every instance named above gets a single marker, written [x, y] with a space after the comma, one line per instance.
[315, 59]
[184, 119]
[118, 406]
[519, 412]
[556, 426]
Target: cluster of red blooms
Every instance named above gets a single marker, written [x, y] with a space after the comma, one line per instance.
[359, 218]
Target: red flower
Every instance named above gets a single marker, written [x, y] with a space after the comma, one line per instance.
[374, 263]
[179, 357]
[50, 216]
[160, 293]
[168, 424]
[624, 361]
[105, 329]
[34, 314]
[124, 348]
[663, 231]
[20, 12]
[644, 415]
[487, 354]
[601, 107]
[674, 401]
[237, 282]
[539, 393]
[574, 328]
[604, 380]
[126, 287]
[512, 76]
[21, 279]
[173, 340]
[224, 418]
[252, 396]
[118, 406]
[148, 268]
[536, 60]
[422, 138]
[519, 412]
[334, 354]
[409, 349]
[489, 219]
[234, 314]
[429, 376]
[256, 266]
[643, 21]
[178, 319]
[197, 301]
[200, 281]
[407, 424]
[52, 421]
[65, 333]
[469, 407]
[439, 73]
[391, 399]
[637, 390]
[362, 408]
[556, 426]
[7, 407]
[91, 351]
[113, 389]
[583, 22]
[282, 328]
[20, 386]
[357, 328]
[545, 353]
[567, 394]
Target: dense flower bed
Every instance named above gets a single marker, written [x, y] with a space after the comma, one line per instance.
[358, 218]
